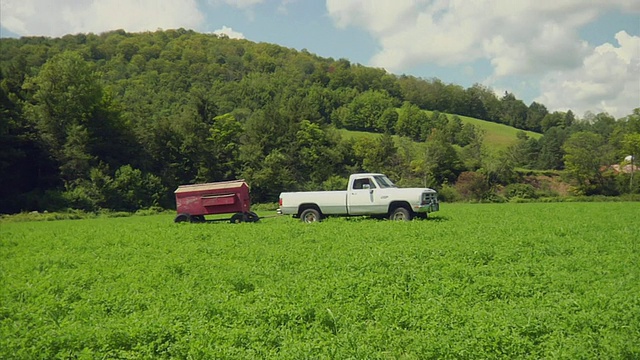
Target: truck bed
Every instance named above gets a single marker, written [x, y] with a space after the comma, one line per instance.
[329, 202]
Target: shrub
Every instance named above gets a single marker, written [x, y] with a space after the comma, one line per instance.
[448, 193]
[472, 185]
[83, 197]
[523, 191]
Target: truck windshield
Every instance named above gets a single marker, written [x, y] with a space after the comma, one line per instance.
[384, 181]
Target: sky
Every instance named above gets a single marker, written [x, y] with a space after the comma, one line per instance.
[579, 55]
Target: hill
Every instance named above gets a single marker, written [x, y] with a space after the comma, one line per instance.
[118, 120]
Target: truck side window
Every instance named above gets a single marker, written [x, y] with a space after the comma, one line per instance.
[360, 184]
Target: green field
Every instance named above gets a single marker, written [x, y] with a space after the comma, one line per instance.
[559, 280]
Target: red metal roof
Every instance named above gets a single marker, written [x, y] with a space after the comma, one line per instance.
[234, 184]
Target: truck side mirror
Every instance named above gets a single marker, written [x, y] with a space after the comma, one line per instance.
[366, 186]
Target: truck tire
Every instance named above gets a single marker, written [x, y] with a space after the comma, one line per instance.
[400, 214]
[310, 215]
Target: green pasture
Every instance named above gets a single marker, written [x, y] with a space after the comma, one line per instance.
[483, 281]
[496, 136]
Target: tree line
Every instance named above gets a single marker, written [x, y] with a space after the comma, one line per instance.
[118, 120]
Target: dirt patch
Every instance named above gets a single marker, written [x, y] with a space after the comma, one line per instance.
[549, 184]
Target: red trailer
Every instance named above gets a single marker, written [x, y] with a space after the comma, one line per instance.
[193, 202]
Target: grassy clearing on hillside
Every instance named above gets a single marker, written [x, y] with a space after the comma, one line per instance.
[476, 281]
[497, 136]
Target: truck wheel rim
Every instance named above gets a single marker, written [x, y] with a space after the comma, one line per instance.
[399, 216]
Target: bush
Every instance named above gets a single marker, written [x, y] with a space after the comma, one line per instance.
[132, 189]
[472, 186]
[83, 198]
[523, 191]
[335, 183]
[448, 193]
[491, 197]
[264, 207]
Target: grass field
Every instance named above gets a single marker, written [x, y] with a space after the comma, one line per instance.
[558, 280]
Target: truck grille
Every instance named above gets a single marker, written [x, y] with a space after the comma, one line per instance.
[429, 198]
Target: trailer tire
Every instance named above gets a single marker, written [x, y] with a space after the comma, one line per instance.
[400, 214]
[252, 217]
[182, 218]
[197, 219]
[310, 215]
[238, 218]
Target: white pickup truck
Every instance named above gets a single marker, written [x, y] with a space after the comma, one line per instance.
[367, 194]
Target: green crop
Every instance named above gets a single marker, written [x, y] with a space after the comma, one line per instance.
[558, 280]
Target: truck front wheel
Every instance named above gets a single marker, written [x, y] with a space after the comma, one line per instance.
[400, 214]
[310, 215]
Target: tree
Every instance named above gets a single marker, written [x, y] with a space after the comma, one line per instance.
[535, 114]
[453, 129]
[585, 154]
[387, 122]
[551, 153]
[411, 120]
[367, 109]
[525, 151]
[472, 153]
[513, 112]
[441, 162]
[631, 146]
[377, 155]
[316, 153]
[602, 124]
[552, 120]
[66, 94]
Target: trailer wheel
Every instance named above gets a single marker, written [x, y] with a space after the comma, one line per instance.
[310, 215]
[197, 218]
[238, 218]
[400, 214]
[252, 217]
[182, 218]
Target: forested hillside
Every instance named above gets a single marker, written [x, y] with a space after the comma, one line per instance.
[118, 120]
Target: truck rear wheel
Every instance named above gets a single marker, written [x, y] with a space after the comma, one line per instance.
[400, 214]
[310, 216]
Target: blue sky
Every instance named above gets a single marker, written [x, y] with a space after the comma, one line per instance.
[582, 55]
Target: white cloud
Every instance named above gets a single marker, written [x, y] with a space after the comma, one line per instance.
[518, 37]
[607, 81]
[283, 8]
[57, 18]
[229, 32]
[534, 39]
[240, 4]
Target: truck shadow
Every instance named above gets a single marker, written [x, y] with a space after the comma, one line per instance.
[431, 218]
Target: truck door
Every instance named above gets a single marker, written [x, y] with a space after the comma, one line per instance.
[361, 196]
